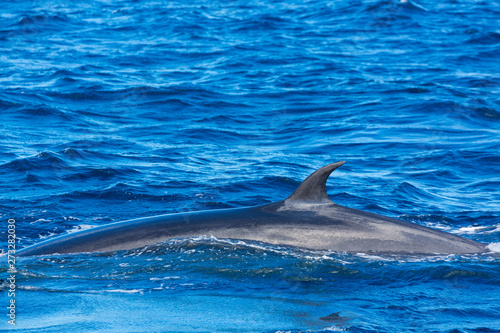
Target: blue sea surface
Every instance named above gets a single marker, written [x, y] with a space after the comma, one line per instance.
[113, 110]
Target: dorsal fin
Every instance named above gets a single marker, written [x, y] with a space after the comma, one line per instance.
[313, 189]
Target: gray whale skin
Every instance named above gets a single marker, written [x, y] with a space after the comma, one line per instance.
[307, 219]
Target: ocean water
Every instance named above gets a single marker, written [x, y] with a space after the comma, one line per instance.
[112, 110]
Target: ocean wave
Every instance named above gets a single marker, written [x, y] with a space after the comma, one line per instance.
[113, 111]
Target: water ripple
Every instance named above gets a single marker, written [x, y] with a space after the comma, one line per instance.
[114, 110]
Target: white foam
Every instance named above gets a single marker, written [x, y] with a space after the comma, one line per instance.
[46, 236]
[30, 288]
[165, 278]
[71, 218]
[80, 227]
[131, 291]
[492, 231]
[494, 247]
[468, 230]
[40, 220]
[477, 230]
[439, 226]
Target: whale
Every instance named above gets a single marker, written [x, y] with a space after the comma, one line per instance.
[307, 219]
